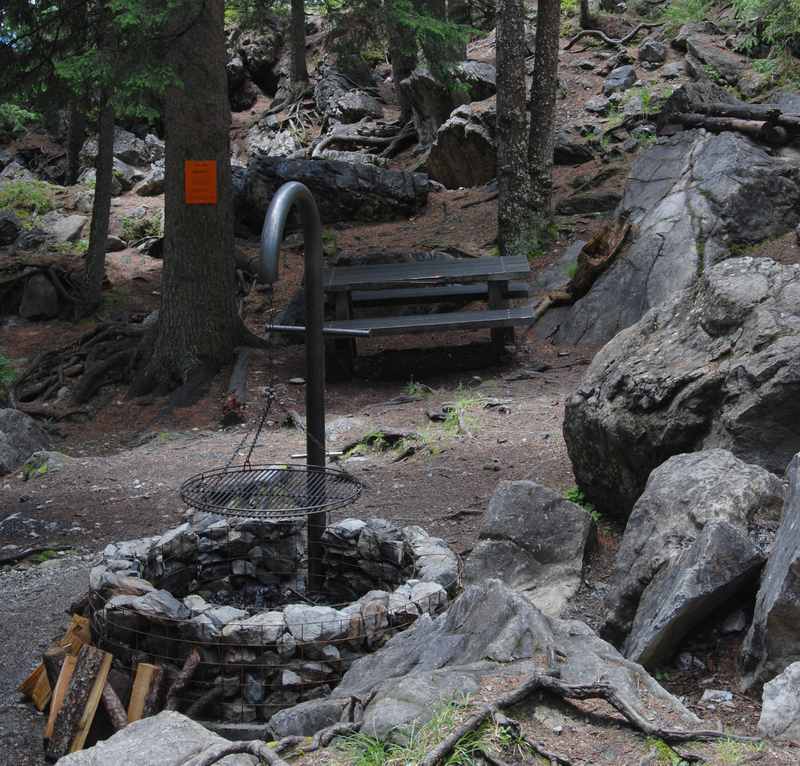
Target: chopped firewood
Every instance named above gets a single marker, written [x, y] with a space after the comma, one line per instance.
[76, 714]
[53, 661]
[113, 705]
[146, 692]
[182, 680]
[36, 687]
[78, 633]
[59, 692]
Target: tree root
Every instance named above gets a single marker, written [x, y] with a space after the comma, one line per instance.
[603, 691]
[610, 40]
[255, 747]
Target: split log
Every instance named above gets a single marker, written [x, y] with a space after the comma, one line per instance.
[146, 692]
[610, 40]
[763, 131]
[59, 693]
[114, 708]
[182, 680]
[37, 687]
[604, 691]
[76, 714]
[53, 661]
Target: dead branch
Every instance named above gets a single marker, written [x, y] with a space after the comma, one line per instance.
[610, 40]
[182, 680]
[604, 691]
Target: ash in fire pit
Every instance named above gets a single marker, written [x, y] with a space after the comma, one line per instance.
[229, 599]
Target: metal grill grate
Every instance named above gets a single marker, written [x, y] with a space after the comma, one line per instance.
[270, 491]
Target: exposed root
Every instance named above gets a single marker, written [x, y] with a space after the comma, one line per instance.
[610, 40]
[256, 747]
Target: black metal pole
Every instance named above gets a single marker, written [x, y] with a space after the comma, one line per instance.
[289, 195]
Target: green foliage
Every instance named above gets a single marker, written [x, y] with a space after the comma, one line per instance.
[28, 199]
[569, 7]
[680, 12]
[458, 419]
[713, 74]
[577, 496]
[415, 388]
[776, 22]
[42, 556]
[664, 753]
[134, 229]
[571, 270]
[14, 120]
[732, 753]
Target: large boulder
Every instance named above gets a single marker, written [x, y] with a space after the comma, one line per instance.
[780, 706]
[684, 496]
[718, 61]
[533, 540]
[128, 148]
[464, 152]
[271, 143]
[10, 227]
[489, 631]
[39, 298]
[344, 191]
[64, 228]
[166, 739]
[692, 198]
[19, 437]
[773, 641]
[260, 50]
[717, 365]
[433, 101]
[340, 101]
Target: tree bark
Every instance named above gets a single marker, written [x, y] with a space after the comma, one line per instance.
[101, 207]
[585, 18]
[459, 12]
[543, 110]
[513, 176]
[199, 325]
[403, 55]
[299, 70]
[75, 138]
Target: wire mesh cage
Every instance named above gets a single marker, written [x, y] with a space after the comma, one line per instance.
[270, 491]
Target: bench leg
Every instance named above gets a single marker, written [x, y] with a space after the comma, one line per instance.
[344, 349]
[501, 336]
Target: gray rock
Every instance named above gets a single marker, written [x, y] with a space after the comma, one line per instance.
[20, 435]
[307, 718]
[672, 71]
[43, 463]
[590, 202]
[344, 192]
[691, 199]
[721, 562]
[683, 496]
[155, 148]
[533, 540]
[433, 102]
[707, 50]
[16, 172]
[433, 559]
[570, 151]
[10, 227]
[5, 159]
[716, 696]
[652, 52]
[316, 623]
[736, 622]
[780, 706]
[115, 244]
[39, 298]
[127, 147]
[597, 105]
[773, 641]
[64, 228]
[488, 631]
[716, 366]
[355, 105]
[621, 79]
[270, 143]
[153, 183]
[463, 152]
[160, 604]
[262, 628]
[166, 739]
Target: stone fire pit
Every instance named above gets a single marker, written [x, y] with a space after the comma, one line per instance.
[236, 591]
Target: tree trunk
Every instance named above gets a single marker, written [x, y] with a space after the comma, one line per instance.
[544, 91]
[75, 137]
[101, 207]
[459, 12]
[403, 55]
[199, 326]
[585, 19]
[299, 69]
[513, 177]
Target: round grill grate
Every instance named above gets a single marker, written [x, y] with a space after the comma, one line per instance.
[270, 491]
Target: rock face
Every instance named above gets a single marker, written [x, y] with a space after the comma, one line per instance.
[344, 192]
[692, 197]
[19, 437]
[533, 540]
[715, 366]
[10, 227]
[166, 739]
[39, 299]
[780, 711]
[721, 561]
[432, 102]
[488, 631]
[773, 641]
[339, 100]
[464, 152]
[684, 496]
[721, 63]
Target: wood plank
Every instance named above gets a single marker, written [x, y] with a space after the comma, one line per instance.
[67, 669]
[96, 694]
[146, 676]
[426, 272]
[404, 295]
[36, 687]
[78, 633]
[456, 320]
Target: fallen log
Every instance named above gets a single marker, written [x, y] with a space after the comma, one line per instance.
[764, 112]
[610, 40]
[759, 130]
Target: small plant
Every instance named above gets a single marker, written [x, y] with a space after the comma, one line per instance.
[42, 556]
[134, 229]
[457, 419]
[571, 270]
[664, 753]
[682, 12]
[577, 496]
[414, 388]
[329, 246]
[28, 199]
[732, 753]
[14, 120]
[713, 74]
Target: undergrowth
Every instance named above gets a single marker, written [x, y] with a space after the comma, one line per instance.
[14, 120]
[134, 229]
[577, 496]
[28, 200]
[680, 12]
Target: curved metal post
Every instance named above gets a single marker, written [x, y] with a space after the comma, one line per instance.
[289, 195]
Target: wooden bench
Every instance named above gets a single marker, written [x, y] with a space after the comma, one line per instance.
[493, 279]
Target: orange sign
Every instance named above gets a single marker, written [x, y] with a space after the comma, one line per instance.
[200, 182]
